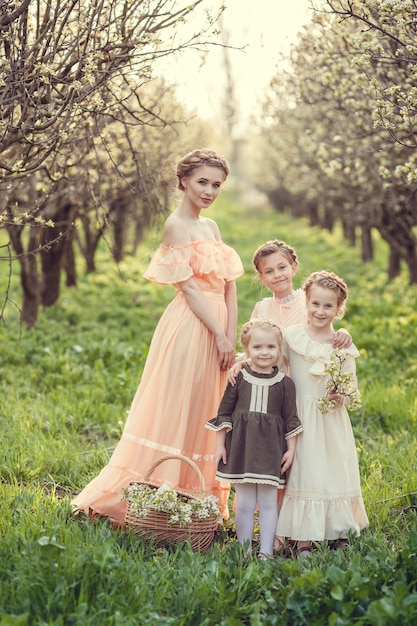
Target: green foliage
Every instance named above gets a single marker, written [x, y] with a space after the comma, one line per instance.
[65, 388]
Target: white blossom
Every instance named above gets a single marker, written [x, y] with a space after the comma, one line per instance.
[339, 383]
[182, 509]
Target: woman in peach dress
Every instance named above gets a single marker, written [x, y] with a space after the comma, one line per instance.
[192, 348]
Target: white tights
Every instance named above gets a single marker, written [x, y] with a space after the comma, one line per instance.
[247, 497]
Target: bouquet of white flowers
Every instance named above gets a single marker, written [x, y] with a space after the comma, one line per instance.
[341, 386]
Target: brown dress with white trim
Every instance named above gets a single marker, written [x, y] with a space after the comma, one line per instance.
[260, 414]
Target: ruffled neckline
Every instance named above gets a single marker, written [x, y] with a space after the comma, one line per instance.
[193, 243]
[319, 353]
[295, 294]
[176, 263]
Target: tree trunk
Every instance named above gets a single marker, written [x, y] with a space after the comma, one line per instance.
[119, 218]
[29, 280]
[394, 263]
[91, 241]
[52, 256]
[138, 236]
[349, 230]
[313, 213]
[396, 228]
[367, 244]
[328, 219]
[68, 261]
[411, 260]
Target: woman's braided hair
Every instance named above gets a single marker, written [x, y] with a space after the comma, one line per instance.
[197, 158]
[329, 280]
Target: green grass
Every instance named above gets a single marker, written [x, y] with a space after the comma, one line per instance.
[66, 387]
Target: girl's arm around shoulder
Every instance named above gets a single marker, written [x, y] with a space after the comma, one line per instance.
[342, 339]
[239, 364]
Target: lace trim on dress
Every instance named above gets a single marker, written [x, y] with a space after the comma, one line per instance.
[289, 304]
[259, 380]
[294, 432]
[292, 296]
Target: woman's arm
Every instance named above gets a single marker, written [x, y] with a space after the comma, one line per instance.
[231, 304]
[198, 304]
[175, 233]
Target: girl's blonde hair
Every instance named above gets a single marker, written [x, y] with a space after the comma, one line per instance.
[269, 247]
[265, 324]
[329, 280]
[197, 158]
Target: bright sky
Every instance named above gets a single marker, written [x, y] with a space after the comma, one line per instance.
[267, 28]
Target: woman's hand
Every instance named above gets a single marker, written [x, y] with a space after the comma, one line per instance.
[226, 352]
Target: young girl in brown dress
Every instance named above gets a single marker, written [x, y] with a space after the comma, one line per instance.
[257, 428]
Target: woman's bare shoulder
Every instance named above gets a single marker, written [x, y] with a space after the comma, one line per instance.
[213, 227]
[175, 232]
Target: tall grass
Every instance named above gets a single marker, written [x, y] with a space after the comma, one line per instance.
[66, 387]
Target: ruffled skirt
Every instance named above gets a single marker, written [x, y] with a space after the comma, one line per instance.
[323, 498]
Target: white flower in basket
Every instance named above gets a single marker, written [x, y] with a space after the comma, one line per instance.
[143, 498]
[164, 514]
[341, 386]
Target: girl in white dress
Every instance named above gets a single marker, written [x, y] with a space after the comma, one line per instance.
[323, 499]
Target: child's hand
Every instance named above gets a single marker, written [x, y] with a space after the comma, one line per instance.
[336, 398]
[220, 455]
[234, 371]
[287, 459]
[342, 339]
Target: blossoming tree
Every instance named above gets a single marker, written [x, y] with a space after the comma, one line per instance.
[68, 69]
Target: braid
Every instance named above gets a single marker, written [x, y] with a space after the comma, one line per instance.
[197, 158]
[274, 246]
[329, 280]
[265, 324]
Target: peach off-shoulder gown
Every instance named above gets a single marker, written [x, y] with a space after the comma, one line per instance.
[180, 389]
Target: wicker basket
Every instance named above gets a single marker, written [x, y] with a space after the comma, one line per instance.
[156, 524]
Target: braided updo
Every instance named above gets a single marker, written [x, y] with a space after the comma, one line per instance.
[270, 247]
[329, 280]
[197, 158]
[265, 324]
